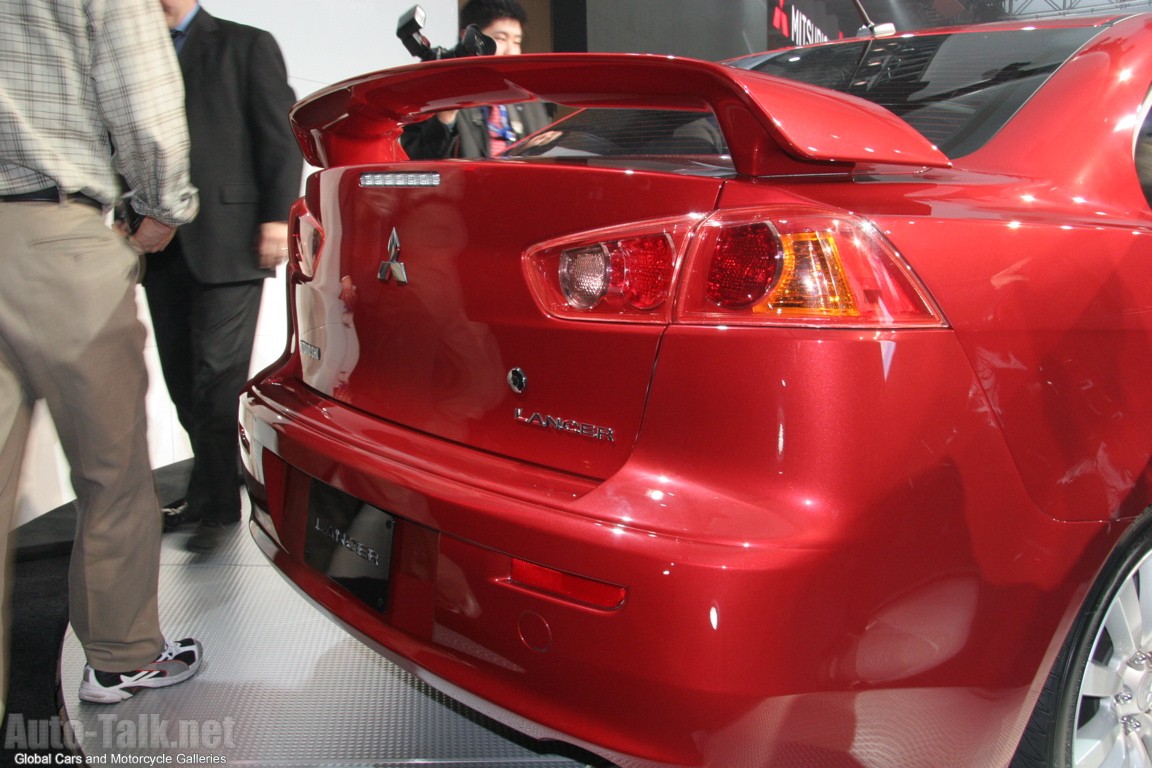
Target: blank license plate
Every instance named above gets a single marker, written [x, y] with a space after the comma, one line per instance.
[350, 542]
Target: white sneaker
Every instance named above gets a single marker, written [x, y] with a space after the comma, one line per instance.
[176, 663]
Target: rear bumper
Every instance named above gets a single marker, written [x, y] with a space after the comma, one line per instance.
[782, 604]
[457, 619]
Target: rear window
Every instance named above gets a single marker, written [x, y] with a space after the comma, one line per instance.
[957, 89]
[627, 133]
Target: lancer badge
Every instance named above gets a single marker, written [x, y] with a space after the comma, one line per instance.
[392, 267]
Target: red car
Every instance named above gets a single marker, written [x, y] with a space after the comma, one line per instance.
[795, 411]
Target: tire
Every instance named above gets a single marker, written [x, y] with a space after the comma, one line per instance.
[1095, 710]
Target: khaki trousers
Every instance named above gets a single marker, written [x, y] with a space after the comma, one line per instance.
[69, 334]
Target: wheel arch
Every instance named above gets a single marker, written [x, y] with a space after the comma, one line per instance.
[1047, 733]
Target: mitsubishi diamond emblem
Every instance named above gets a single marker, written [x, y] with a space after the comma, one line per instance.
[392, 267]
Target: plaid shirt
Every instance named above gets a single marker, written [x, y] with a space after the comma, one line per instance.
[90, 89]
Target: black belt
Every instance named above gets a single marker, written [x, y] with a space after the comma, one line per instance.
[51, 195]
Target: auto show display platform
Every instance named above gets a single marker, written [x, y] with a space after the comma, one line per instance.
[280, 685]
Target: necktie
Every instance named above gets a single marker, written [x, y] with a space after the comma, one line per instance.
[178, 37]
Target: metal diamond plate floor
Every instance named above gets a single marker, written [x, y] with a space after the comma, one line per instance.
[280, 686]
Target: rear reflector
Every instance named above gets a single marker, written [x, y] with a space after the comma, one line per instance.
[579, 589]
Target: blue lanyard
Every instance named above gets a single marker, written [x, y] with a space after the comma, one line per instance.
[504, 131]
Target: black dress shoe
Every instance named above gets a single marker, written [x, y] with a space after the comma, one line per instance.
[176, 515]
[209, 535]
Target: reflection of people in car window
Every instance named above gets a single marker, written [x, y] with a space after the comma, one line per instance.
[628, 132]
[700, 137]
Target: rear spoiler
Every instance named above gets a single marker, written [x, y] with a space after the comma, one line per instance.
[772, 125]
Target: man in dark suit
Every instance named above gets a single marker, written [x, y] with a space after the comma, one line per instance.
[204, 290]
[480, 131]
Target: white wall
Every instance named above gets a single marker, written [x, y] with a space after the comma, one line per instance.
[334, 40]
[322, 43]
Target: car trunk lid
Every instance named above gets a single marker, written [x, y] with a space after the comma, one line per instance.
[419, 311]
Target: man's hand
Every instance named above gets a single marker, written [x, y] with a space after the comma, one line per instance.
[149, 237]
[273, 244]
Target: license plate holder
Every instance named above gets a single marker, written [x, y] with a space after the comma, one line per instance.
[350, 542]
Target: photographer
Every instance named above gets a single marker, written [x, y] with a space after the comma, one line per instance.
[480, 131]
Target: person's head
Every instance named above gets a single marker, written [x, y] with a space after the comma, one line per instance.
[501, 20]
[176, 10]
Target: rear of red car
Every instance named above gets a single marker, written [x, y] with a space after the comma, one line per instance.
[662, 442]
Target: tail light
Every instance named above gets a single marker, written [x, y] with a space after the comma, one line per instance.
[634, 273]
[614, 274]
[305, 246]
[749, 267]
[800, 267]
[306, 241]
[746, 261]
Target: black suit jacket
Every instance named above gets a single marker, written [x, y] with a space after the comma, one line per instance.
[244, 158]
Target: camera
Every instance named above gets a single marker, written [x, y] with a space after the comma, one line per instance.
[473, 43]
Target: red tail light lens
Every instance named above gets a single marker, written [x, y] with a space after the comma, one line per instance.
[605, 276]
[631, 274]
[648, 265]
[744, 266]
[781, 266]
[800, 267]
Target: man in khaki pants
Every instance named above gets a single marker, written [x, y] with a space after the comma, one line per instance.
[77, 79]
